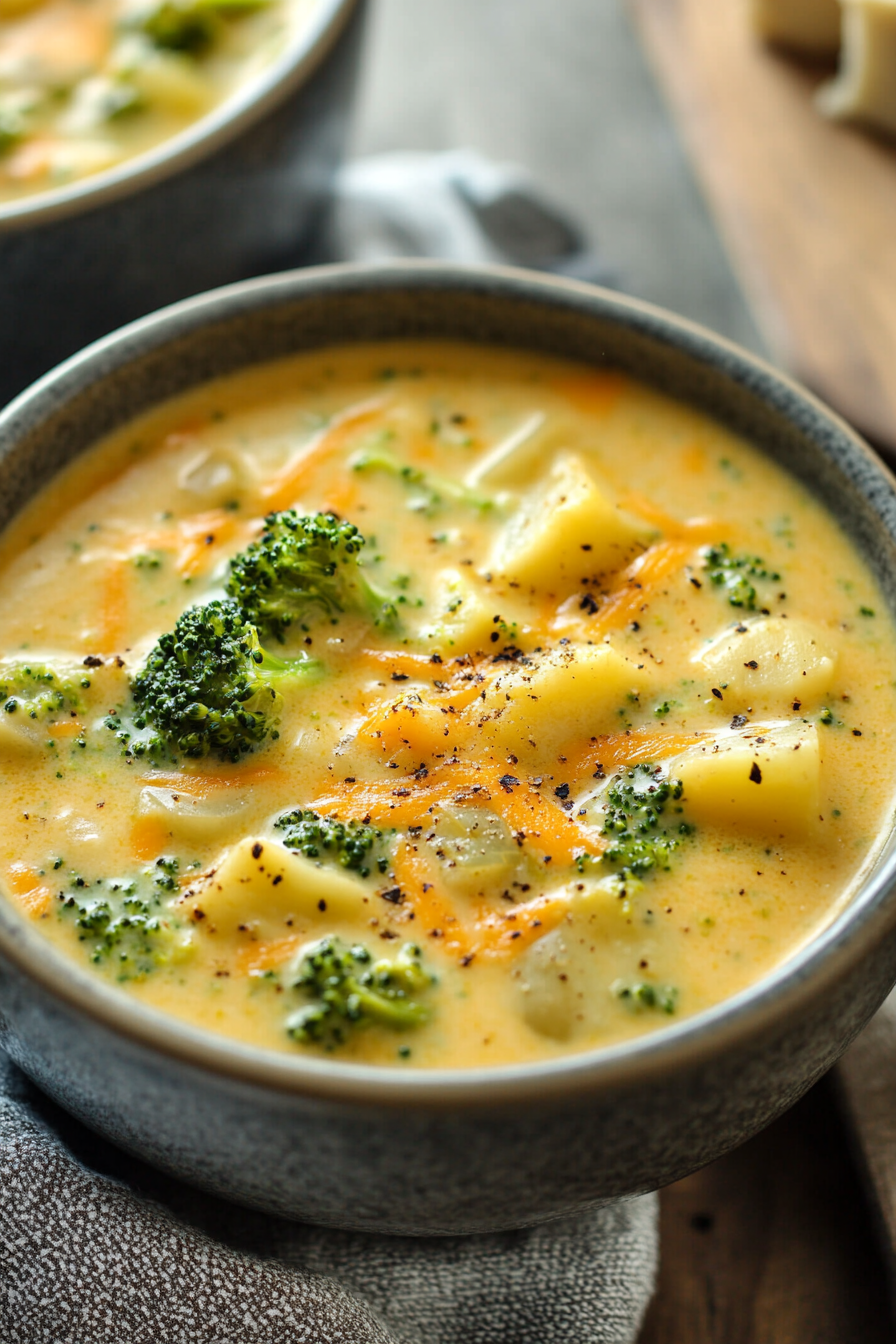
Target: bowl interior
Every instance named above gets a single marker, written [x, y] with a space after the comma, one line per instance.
[167, 353]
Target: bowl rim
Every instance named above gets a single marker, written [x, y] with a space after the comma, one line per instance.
[249, 102]
[689, 1043]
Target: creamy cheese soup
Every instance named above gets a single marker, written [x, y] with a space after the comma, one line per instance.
[435, 704]
[87, 83]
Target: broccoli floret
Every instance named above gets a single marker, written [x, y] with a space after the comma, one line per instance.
[12, 127]
[641, 996]
[348, 843]
[39, 691]
[190, 27]
[430, 492]
[349, 990]
[184, 27]
[302, 563]
[734, 572]
[638, 843]
[209, 686]
[121, 920]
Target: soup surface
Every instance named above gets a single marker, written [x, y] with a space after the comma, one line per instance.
[87, 83]
[540, 712]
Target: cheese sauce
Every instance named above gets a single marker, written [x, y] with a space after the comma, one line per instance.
[85, 84]
[603, 705]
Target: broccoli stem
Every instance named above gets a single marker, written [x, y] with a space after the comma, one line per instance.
[431, 492]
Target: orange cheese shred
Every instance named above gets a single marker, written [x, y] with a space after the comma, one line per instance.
[287, 486]
[592, 393]
[31, 894]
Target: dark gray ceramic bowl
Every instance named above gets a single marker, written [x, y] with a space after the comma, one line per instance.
[436, 1152]
[238, 193]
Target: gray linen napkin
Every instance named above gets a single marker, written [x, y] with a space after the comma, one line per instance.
[457, 206]
[97, 1248]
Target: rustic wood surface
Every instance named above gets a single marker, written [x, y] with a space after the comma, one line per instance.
[807, 208]
[563, 89]
[773, 1244]
[866, 1082]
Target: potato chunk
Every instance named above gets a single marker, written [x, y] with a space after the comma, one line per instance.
[463, 619]
[568, 696]
[765, 777]
[189, 817]
[259, 884]
[567, 529]
[770, 660]
[557, 975]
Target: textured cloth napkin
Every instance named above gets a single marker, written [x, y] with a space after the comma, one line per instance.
[457, 206]
[96, 1248]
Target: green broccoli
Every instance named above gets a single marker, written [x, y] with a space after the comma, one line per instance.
[636, 801]
[210, 686]
[349, 990]
[430, 492]
[189, 27]
[348, 843]
[302, 563]
[734, 572]
[641, 995]
[12, 126]
[121, 920]
[39, 691]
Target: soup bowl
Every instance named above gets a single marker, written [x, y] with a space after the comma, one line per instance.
[445, 1151]
[237, 193]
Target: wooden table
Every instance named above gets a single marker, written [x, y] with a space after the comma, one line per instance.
[773, 1244]
[807, 207]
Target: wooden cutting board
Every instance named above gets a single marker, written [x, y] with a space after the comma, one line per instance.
[807, 208]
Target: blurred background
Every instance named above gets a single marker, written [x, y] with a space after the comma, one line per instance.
[561, 87]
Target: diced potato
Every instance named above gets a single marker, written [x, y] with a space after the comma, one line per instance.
[172, 84]
[567, 697]
[567, 530]
[557, 975]
[481, 857]
[18, 738]
[763, 778]
[772, 660]
[259, 885]
[188, 817]
[463, 618]
[213, 476]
